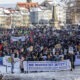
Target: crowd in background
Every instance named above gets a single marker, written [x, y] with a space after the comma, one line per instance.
[40, 44]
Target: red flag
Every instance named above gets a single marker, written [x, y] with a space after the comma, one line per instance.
[1, 46]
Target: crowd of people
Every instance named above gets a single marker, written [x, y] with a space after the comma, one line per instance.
[40, 44]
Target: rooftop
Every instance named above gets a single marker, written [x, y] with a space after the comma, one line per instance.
[27, 5]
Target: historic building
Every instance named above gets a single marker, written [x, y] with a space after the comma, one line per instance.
[73, 12]
[14, 18]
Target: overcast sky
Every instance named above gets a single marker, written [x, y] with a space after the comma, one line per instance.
[12, 3]
[15, 1]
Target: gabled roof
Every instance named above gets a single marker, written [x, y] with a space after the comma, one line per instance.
[11, 10]
[27, 5]
[6, 11]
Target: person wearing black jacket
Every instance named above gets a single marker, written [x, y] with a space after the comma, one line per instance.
[71, 57]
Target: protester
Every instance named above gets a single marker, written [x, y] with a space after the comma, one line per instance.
[39, 44]
[12, 62]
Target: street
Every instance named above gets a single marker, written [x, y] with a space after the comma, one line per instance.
[61, 75]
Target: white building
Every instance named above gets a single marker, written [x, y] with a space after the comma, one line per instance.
[14, 18]
[20, 18]
[5, 19]
[34, 15]
[40, 15]
[59, 11]
[46, 15]
[61, 15]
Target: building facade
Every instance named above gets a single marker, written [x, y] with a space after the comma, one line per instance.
[40, 15]
[58, 12]
[5, 18]
[73, 13]
[14, 18]
[20, 18]
[29, 5]
[61, 15]
[36, 12]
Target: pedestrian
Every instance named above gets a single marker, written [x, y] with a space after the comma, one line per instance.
[12, 63]
[21, 64]
[71, 57]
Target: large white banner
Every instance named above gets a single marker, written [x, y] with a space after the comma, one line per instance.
[22, 38]
[7, 61]
[15, 70]
[77, 60]
[37, 65]
[3, 69]
[48, 65]
[25, 63]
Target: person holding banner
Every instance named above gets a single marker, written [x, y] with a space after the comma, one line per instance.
[71, 57]
[21, 64]
[12, 62]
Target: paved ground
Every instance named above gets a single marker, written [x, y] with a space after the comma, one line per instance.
[62, 75]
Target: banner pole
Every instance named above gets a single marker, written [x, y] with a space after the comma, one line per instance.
[27, 66]
[6, 68]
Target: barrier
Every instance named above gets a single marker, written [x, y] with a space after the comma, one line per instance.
[24, 65]
[35, 65]
[48, 65]
[3, 69]
[15, 70]
[29, 66]
[7, 62]
[77, 60]
[45, 66]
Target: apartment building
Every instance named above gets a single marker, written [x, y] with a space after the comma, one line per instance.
[5, 18]
[14, 18]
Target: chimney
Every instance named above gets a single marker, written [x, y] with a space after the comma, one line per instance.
[28, 1]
